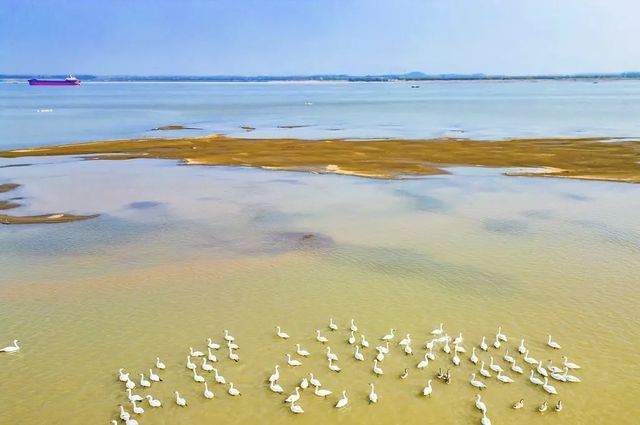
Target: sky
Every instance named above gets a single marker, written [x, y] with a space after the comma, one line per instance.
[301, 37]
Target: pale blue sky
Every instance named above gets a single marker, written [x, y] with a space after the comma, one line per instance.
[276, 37]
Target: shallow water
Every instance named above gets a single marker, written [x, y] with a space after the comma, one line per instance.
[94, 111]
[182, 253]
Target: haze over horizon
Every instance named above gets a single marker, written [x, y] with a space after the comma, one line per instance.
[289, 37]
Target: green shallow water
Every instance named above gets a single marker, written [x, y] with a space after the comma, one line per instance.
[181, 253]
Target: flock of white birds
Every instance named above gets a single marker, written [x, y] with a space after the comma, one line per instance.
[200, 364]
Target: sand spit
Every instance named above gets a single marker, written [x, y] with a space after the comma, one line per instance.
[590, 158]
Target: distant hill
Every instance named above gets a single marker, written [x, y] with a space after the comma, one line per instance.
[410, 76]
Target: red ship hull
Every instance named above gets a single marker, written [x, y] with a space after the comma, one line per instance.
[36, 82]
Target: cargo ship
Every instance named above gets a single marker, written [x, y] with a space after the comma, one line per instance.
[69, 81]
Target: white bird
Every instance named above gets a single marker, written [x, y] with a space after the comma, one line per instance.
[333, 367]
[281, 334]
[474, 358]
[476, 383]
[210, 356]
[389, 336]
[518, 404]
[232, 345]
[331, 355]
[136, 409]
[233, 356]
[543, 407]
[500, 335]
[553, 344]
[212, 345]
[293, 397]
[124, 415]
[332, 325]
[455, 359]
[320, 338]
[190, 364]
[358, 355]
[154, 377]
[528, 359]
[522, 349]
[570, 378]
[363, 341]
[144, 382]
[314, 381]
[438, 330]
[567, 364]
[304, 384]
[228, 337]
[494, 366]
[302, 352]
[219, 378]
[207, 392]
[180, 401]
[373, 397]
[275, 387]
[343, 401]
[408, 350]
[131, 422]
[484, 420]
[197, 377]
[406, 340]
[446, 347]
[275, 375]
[548, 387]
[496, 343]
[293, 362]
[130, 384]
[431, 355]
[507, 358]
[153, 402]
[484, 372]
[541, 370]
[504, 378]
[558, 406]
[11, 348]
[377, 370]
[206, 366]
[430, 344]
[458, 340]
[195, 353]
[159, 364]
[380, 356]
[232, 390]
[321, 392]
[352, 339]
[295, 408]
[553, 368]
[535, 379]
[480, 404]
[558, 376]
[483, 344]
[428, 390]
[354, 328]
[133, 397]
[458, 348]
[516, 368]
[123, 377]
[423, 363]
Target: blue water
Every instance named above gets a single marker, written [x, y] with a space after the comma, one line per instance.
[93, 111]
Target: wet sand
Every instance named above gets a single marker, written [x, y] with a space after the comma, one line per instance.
[576, 158]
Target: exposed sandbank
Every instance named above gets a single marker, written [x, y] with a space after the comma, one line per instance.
[578, 158]
[43, 219]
